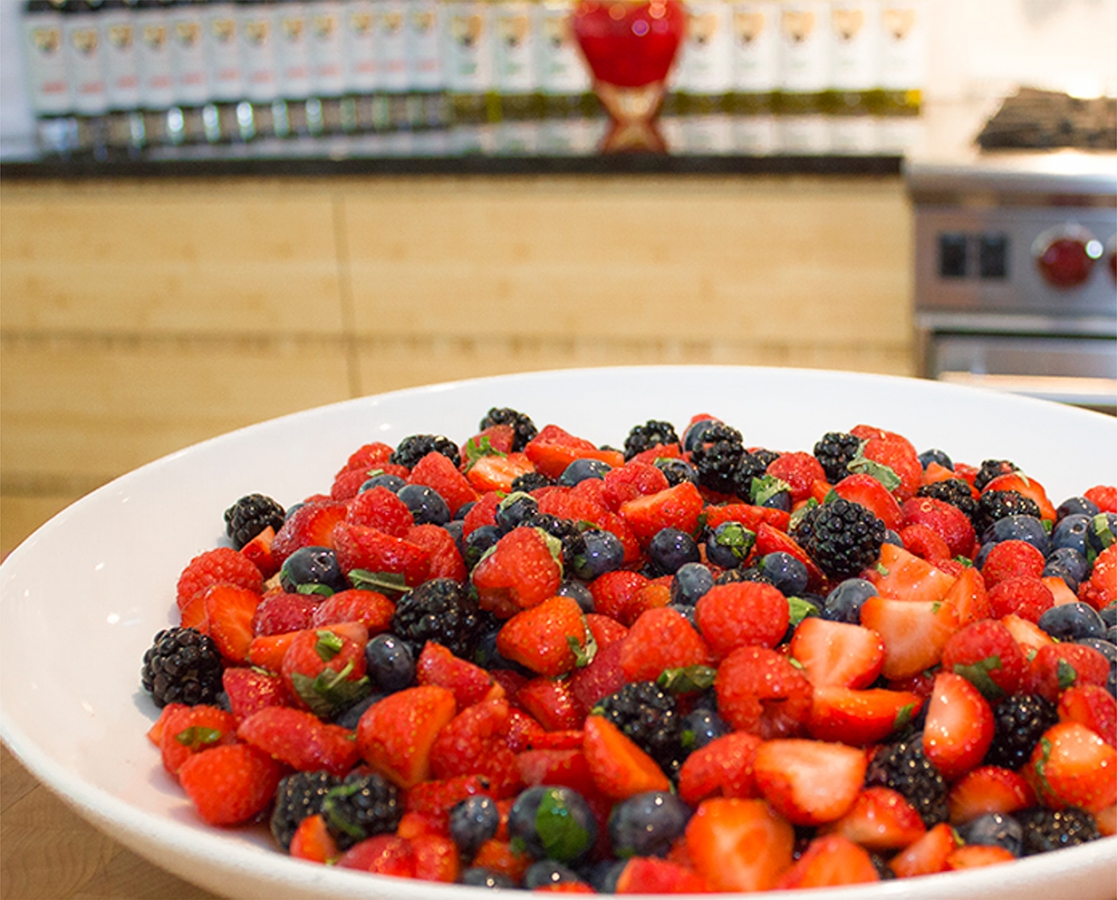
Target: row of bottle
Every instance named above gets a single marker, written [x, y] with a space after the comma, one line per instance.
[133, 73]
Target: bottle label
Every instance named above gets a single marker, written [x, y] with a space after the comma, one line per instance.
[87, 77]
[361, 76]
[854, 51]
[188, 59]
[257, 54]
[153, 59]
[122, 83]
[391, 45]
[327, 49]
[223, 54]
[804, 47]
[562, 71]
[292, 53]
[514, 53]
[706, 62]
[467, 47]
[903, 45]
[424, 59]
[756, 47]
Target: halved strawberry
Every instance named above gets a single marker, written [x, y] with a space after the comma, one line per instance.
[751, 517]
[473, 743]
[661, 639]
[1058, 666]
[1094, 707]
[1029, 487]
[381, 854]
[837, 653]
[437, 858]
[722, 768]
[914, 632]
[809, 782]
[880, 820]
[549, 638]
[739, 845]
[676, 507]
[968, 597]
[371, 608]
[959, 726]
[829, 861]
[651, 875]
[438, 472]
[250, 690]
[616, 594]
[267, 652]
[497, 473]
[324, 668]
[904, 576]
[258, 551]
[1028, 635]
[229, 611]
[442, 551]
[924, 542]
[927, 855]
[873, 495]
[551, 702]
[395, 734]
[619, 767]
[521, 571]
[362, 548]
[1072, 766]
[973, 856]
[311, 525]
[860, 717]
[898, 454]
[469, 682]
[230, 784]
[300, 739]
[947, 521]
[562, 767]
[553, 449]
[759, 691]
[633, 479]
[988, 789]
[188, 730]
[313, 842]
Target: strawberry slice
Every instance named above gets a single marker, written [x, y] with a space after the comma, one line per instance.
[759, 691]
[722, 768]
[230, 784]
[497, 473]
[650, 875]
[1072, 766]
[739, 845]
[837, 653]
[250, 690]
[959, 726]
[873, 495]
[809, 782]
[395, 734]
[880, 820]
[904, 576]
[927, 855]
[617, 765]
[1092, 706]
[442, 551]
[438, 472]
[521, 571]
[633, 479]
[914, 632]
[300, 739]
[469, 682]
[968, 597]
[553, 449]
[830, 861]
[751, 517]
[473, 743]
[551, 702]
[549, 638]
[860, 717]
[229, 611]
[313, 842]
[988, 789]
[676, 507]
[974, 856]
[368, 550]
[661, 639]
[258, 550]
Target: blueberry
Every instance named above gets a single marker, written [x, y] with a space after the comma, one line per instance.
[390, 663]
[351, 715]
[700, 726]
[579, 593]
[602, 875]
[1105, 646]
[1102, 533]
[935, 455]
[677, 470]
[547, 872]
[553, 822]
[477, 542]
[729, 544]
[472, 822]
[454, 528]
[691, 582]
[392, 482]
[671, 548]
[776, 500]
[647, 824]
[788, 574]
[696, 432]
[1068, 564]
[1072, 621]
[843, 603]
[1018, 528]
[1109, 614]
[581, 469]
[463, 510]
[604, 553]
[312, 570]
[477, 876]
[686, 610]
[1111, 634]
[426, 504]
[1070, 533]
[892, 537]
[994, 829]
[514, 510]
[487, 656]
[1076, 506]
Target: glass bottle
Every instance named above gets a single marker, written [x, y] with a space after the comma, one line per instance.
[292, 62]
[854, 55]
[467, 27]
[219, 116]
[391, 60]
[704, 70]
[756, 49]
[804, 56]
[191, 72]
[48, 82]
[515, 60]
[153, 62]
[564, 77]
[85, 65]
[362, 76]
[425, 84]
[122, 82]
[255, 115]
[329, 108]
[903, 55]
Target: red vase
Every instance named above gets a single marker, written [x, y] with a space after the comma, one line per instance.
[629, 46]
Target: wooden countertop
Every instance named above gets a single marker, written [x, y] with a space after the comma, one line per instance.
[48, 852]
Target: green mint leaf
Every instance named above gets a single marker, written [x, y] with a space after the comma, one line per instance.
[736, 538]
[583, 653]
[383, 582]
[334, 812]
[328, 645]
[330, 692]
[903, 716]
[197, 737]
[764, 487]
[310, 588]
[1067, 674]
[563, 838]
[476, 449]
[797, 516]
[977, 674]
[882, 473]
[687, 679]
[799, 609]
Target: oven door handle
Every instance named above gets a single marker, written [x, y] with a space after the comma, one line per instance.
[1081, 391]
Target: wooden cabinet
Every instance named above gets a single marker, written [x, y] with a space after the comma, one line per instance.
[141, 316]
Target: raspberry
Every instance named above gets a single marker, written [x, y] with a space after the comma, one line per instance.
[1011, 559]
[759, 691]
[222, 565]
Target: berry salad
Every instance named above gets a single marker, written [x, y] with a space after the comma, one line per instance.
[678, 665]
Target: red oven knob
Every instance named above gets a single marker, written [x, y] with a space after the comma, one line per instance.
[1065, 256]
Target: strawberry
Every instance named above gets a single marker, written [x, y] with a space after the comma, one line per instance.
[521, 571]
[483, 512]
[395, 734]
[313, 842]
[1072, 766]
[761, 692]
[798, 470]
[619, 767]
[920, 540]
[1011, 559]
[927, 855]
[434, 799]
[250, 690]
[676, 507]
[381, 509]
[605, 629]
[551, 702]
[279, 612]
[874, 496]
[381, 854]
[1104, 496]
[229, 612]
[747, 515]
[347, 484]
[880, 820]
[324, 669]
[498, 855]
[968, 597]
[469, 682]
[915, 632]
[553, 449]
[633, 479]
[311, 525]
[860, 717]
[1092, 706]
[959, 726]
[370, 608]
[230, 784]
[497, 473]
[739, 845]
[561, 767]
[837, 653]
[439, 473]
[988, 789]
[442, 550]
[258, 552]
[600, 678]
[809, 782]
[267, 652]
[1028, 635]
[1101, 588]
[903, 576]
[829, 861]
[897, 454]
[223, 565]
[617, 595]
[661, 639]
[974, 856]
[741, 614]
[549, 638]
[650, 875]
[391, 560]
[722, 768]
[1028, 487]
[987, 655]
[947, 521]
[1056, 667]
[300, 739]
[472, 743]
[368, 456]
[436, 858]
[188, 730]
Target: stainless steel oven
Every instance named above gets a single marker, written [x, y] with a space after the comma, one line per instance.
[1016, 266]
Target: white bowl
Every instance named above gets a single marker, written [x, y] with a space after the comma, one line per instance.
[82, 597]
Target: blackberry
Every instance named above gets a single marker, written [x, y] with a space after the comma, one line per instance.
[182, 666]
[676, 471]
[993, 506]
[1019, 721]
[903, 768]
[954, 491]
[360, 807]
[573, 543]
[529, 482]
[716, 457]
[1049, 829]
[439, 610]
[250, 515]
[835, 450]
[651, 434]
[298, 797]
[523, 429]
[990, 469]
[412, 449]
[841, 537]
[650, 717]
[749, 466]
